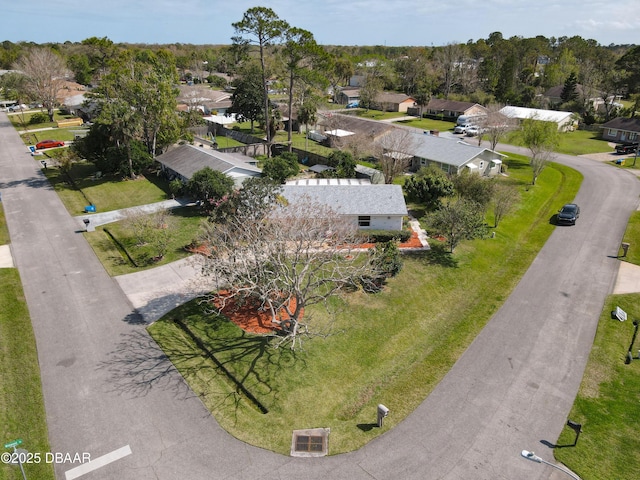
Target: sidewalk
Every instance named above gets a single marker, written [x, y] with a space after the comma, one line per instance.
[102, 218]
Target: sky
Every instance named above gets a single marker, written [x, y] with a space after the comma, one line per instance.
[332, 22]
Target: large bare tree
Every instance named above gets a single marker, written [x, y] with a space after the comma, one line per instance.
[285, 258]
[45, 73]
[495, 125]
[394, 152]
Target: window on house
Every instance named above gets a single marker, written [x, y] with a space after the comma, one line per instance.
[633, 136]
[364, 221]
[612, 132]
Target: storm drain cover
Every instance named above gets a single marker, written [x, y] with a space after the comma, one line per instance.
[313, 442]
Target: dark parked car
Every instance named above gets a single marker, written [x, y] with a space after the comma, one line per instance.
[568, 214]
[49, 144]
[628, 147]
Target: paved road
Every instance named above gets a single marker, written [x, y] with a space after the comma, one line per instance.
[107, 386]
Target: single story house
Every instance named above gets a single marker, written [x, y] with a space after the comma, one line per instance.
[348, 95]
[370, 207]
[183, 161]
[453, 109]
[204, 99]
[564, 120]
[394, 102]
[452, 156]
[621, 129]
[588, 94]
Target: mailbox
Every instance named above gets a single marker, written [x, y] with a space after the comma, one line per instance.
[382, 412]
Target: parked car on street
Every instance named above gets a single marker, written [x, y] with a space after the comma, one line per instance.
[49, 144]
[568, 214]
[627, 147]
[462, 128]
[473, 131]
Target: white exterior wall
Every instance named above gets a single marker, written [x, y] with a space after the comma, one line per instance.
[381, 222]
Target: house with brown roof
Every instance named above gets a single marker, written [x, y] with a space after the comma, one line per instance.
[394, 102]
[453, 108]
[621, 129]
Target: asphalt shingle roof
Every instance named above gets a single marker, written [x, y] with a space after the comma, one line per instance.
[352, 199]
[444, 150]
[188, 159]
[623, 123]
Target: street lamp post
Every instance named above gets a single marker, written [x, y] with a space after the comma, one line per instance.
[533, 457]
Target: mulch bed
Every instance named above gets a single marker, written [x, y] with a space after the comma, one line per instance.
[248, 315]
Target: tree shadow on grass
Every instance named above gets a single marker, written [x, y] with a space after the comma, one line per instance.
[438, 254]
[247, 363]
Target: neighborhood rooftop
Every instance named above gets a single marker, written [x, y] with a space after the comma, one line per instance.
[188, 159]
[352, 199]
[443, 150]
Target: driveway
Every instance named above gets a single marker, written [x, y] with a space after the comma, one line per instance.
[109, 391]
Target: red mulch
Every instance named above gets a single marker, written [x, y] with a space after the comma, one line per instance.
[249, 316]
[413, 242]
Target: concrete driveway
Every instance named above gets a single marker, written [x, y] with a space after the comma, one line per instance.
[109, 391]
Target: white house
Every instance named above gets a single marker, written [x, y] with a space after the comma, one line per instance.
[565, 120]
[371, 207]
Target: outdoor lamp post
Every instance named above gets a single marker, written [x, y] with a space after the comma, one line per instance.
[532, 456]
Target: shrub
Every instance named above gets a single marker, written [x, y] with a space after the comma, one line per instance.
[380, 236]
[38, 117]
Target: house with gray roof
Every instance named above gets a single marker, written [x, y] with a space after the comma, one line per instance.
[371, 207]
[621, 129]
[451, 156]
[183, 161]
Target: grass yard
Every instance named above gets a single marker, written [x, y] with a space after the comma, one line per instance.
[631, 236]
[391, 348]
[22, 414]
[107, 192]
[378, 114]
[608, 402]
[428, 124]
[183, 228]
[578, 142]
[300, 141]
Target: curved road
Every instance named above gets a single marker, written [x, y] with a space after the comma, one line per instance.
[107, 386]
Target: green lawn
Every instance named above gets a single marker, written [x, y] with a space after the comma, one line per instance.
[378, 114]
[428, 124]
[183, 229]
[109, 192]
[608, 402]
[391, 348]
[22, 414]
[578, 142]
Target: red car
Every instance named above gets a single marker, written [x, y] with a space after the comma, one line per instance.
[49, 144]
